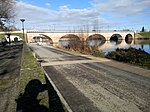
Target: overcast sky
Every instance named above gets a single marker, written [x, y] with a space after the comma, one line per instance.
[76, 14]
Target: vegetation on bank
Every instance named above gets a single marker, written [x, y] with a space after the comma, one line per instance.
[145, 34]
[2, 36]
[132, 56]
[81, 47]
[30, 70]
[17, 34]
[142, 42]
[98, 53]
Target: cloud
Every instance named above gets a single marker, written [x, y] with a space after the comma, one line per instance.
[48, 4]
[33, 14]
[64, 15]
[124, 12]
[122, 7]
[77, 15]
[104, 12]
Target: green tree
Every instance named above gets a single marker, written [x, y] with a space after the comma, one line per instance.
[143, 29]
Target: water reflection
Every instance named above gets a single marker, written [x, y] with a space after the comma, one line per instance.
[112, 45]
[64, 43]
[115, 42]
[108, 46]
[138, 44]
[128, 40]
[95, 42]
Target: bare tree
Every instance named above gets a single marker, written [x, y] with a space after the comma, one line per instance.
[6, 12]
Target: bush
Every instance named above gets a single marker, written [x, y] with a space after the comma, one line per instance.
[80, 46]
[131, 55]
[98, 53]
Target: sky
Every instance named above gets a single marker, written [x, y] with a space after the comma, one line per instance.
[83, 14]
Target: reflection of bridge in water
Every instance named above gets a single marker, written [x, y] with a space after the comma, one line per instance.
[108, 45]
[112, 44]
[56, 37]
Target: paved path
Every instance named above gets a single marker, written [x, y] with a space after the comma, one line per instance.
[88, 84]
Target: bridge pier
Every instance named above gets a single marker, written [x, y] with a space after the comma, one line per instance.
[56, 44]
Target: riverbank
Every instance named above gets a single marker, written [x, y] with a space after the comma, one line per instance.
[143, 35]
[133, 56]
[17, 34]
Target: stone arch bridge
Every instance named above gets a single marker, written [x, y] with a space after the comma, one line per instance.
[55, 37]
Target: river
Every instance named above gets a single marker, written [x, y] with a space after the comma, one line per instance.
[108, 46]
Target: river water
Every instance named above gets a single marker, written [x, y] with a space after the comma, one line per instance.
[108, 46]
[138, 44]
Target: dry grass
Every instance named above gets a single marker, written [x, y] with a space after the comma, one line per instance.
[31, 70]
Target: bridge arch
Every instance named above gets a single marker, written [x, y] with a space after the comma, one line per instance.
[128, 38]
[69, 39]
[116, 39]
[36, 38]
[43, 38]
[95, 40]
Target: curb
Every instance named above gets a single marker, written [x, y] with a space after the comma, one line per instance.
[59, 94]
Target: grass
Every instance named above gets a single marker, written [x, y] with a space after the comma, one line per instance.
[17, 34]
[6, 83]
[2, 36]
[6, 52]
[98, 53]
[142, 42]
[34, 91]
[145, 34]
[31, 70]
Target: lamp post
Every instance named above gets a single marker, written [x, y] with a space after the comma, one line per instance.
[22, 20]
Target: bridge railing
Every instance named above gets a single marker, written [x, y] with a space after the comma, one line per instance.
[75, 31]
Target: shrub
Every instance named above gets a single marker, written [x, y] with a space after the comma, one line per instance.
[98, 53]
[131, 55]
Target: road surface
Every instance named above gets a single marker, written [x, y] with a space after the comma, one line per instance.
[92, 85]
